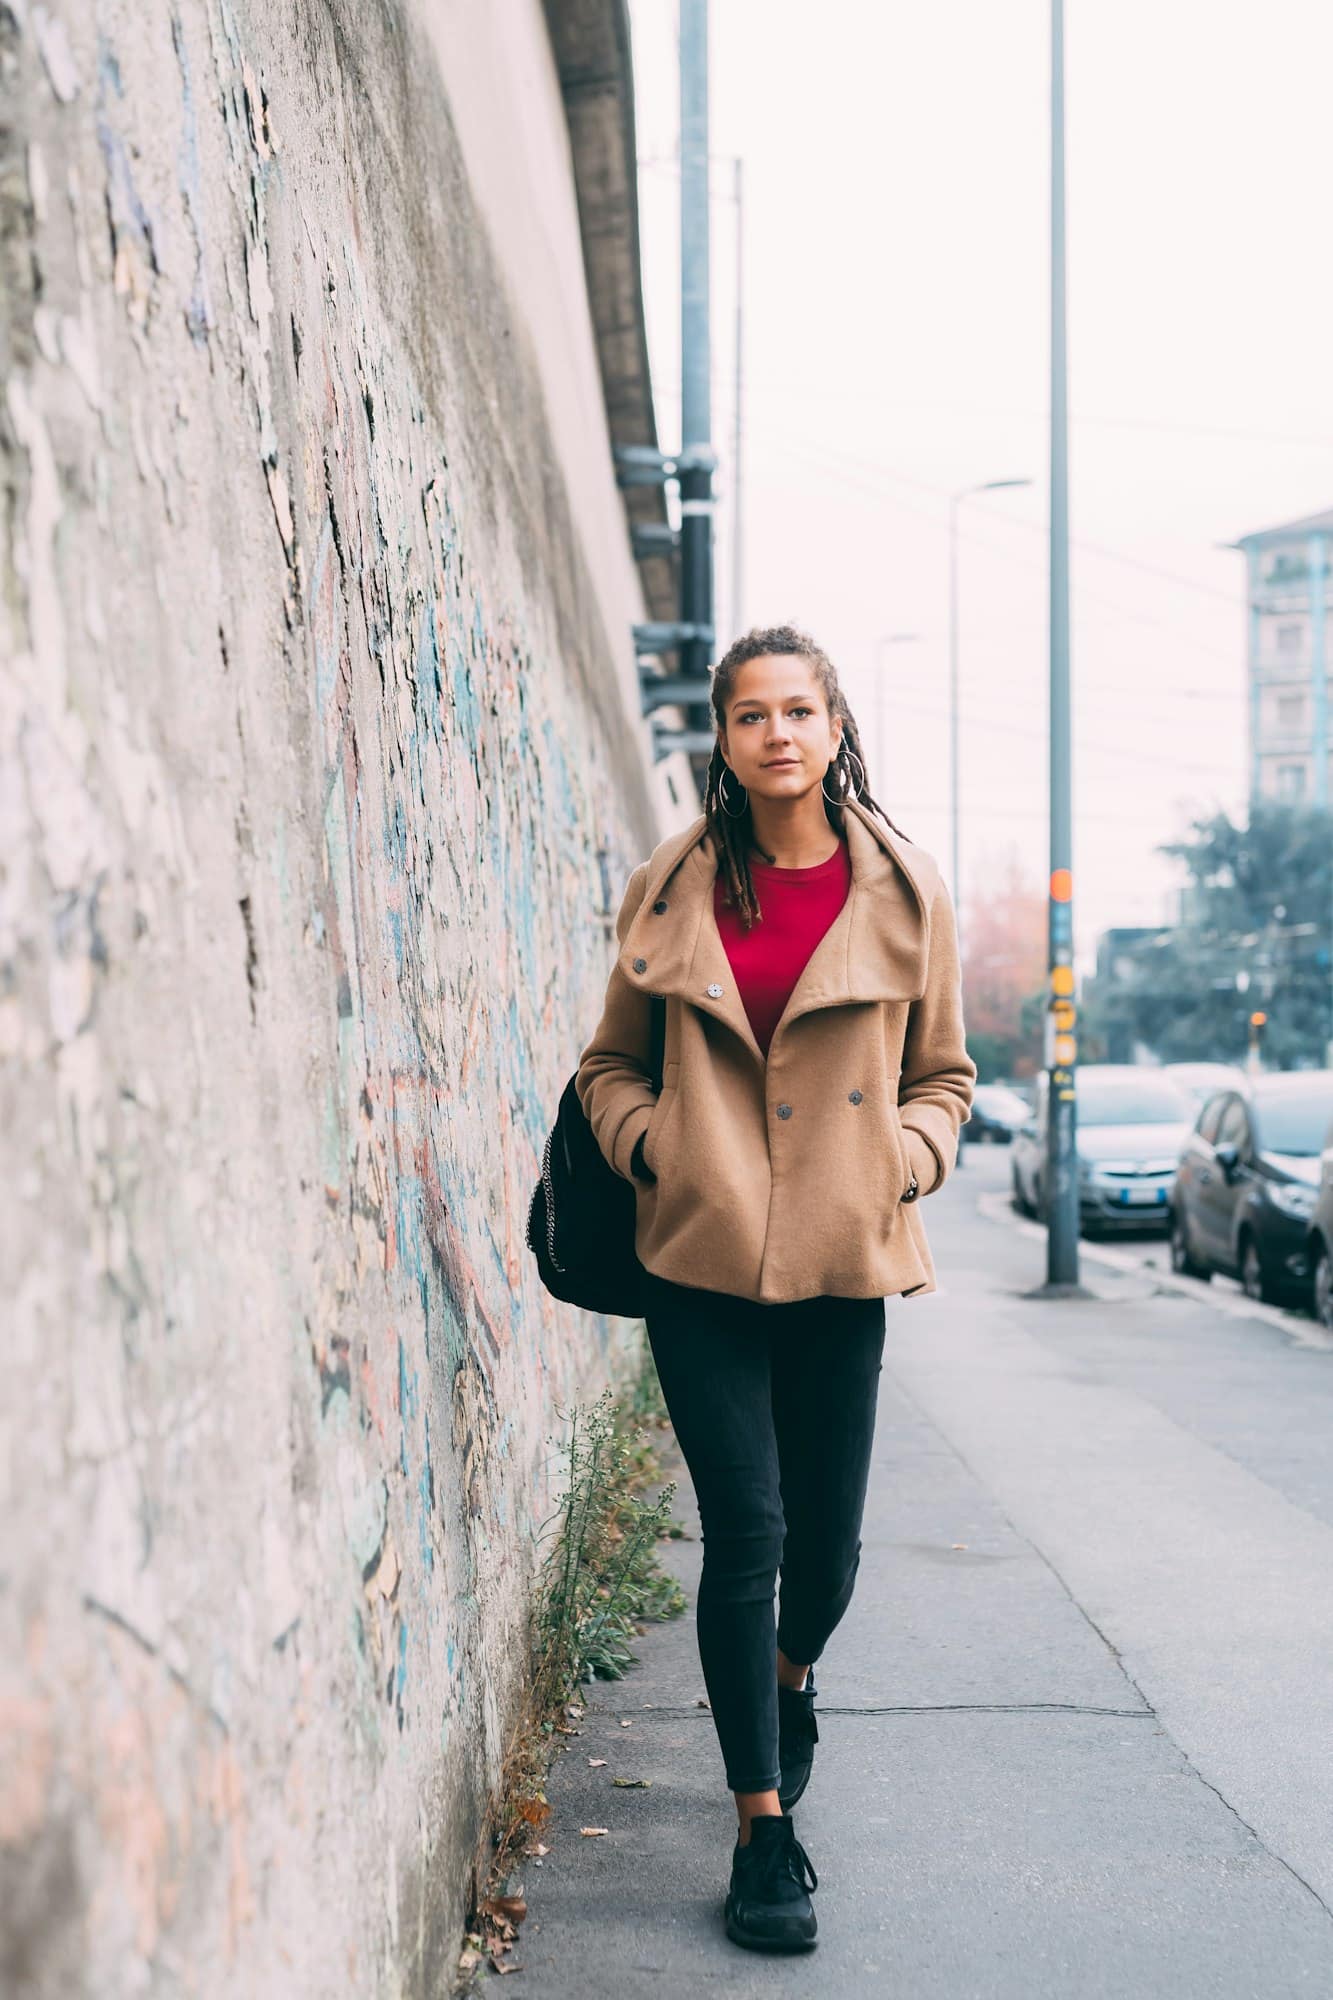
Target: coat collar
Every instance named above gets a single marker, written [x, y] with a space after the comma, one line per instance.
[877, 947]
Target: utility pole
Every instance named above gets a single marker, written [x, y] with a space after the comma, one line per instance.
[1061, 1040]
[696, 417]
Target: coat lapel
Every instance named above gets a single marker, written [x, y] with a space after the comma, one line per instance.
[877, 947]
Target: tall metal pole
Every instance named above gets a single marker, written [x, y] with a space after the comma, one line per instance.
[738, 424]
[1062, 1046]
[696, 416]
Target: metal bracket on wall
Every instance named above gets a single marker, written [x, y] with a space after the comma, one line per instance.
[666, 635]
[653, 538]
[694, 742]
[645, 465]
[672, 690]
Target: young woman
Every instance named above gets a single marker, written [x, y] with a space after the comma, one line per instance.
[814, 1081]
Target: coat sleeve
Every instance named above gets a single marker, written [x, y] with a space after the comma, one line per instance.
[935, 1090]
[613, 1080]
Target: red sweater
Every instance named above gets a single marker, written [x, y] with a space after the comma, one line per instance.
[798, 905]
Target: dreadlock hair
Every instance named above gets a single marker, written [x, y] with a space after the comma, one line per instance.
[733, 833]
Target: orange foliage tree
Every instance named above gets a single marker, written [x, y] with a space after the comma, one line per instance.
[1004, 970]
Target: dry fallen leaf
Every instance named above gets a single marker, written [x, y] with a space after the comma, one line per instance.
[538, 1848]
[512, 1908]
[595, 1763]
[632, 1784]
[958, 1545]
[592, 1832]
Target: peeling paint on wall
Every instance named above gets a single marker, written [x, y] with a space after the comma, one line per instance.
[302, 783]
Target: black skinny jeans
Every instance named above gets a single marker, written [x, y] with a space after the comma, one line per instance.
[774, 1407]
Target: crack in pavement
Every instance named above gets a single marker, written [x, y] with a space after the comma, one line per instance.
[934, 1708]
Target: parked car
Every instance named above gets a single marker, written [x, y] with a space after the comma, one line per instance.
[1202, 1080]
[1248, 1184]
[1131, 1124]
[1321, 1238]
[997, 1113]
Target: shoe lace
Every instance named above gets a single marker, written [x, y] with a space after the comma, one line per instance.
[787, 1860]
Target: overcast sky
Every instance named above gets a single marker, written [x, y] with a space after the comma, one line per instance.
[897, 347]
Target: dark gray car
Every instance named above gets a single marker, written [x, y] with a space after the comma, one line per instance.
[1320, 1246]
[1248, 1184]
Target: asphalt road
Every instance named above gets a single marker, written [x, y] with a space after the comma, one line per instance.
[1075, 1728]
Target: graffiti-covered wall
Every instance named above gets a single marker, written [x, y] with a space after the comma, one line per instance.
[319, 784]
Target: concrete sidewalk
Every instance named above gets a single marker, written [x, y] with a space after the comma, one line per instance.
[1074, 1728]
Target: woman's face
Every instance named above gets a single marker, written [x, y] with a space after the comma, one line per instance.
[779, 739]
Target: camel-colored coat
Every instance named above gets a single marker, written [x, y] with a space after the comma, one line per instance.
[783, 1179]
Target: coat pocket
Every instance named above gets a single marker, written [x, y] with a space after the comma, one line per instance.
[665, 1099]
[903, 1159]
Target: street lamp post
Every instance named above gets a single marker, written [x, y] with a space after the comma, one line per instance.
[955, 502]
[1061, 1177]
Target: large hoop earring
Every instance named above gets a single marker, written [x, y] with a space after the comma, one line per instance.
[851, 756]
[732, 812]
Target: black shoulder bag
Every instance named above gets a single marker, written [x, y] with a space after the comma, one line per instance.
[581, 1216]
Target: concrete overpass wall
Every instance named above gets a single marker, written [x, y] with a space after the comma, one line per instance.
[320, 776]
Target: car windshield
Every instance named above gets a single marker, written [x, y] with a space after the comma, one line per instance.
[1295, 1123]
[1129, 1100]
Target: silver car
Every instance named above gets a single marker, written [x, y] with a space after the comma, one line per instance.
[1131, 1124]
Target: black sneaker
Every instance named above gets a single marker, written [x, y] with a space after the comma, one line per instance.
[798, 1733]
[768, 1905]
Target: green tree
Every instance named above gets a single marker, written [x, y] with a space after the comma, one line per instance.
[1254, 934]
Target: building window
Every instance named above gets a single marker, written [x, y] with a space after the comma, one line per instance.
[1291, 782]
[1289, 638]
[1291, 711]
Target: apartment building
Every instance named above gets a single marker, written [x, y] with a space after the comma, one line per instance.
[1289, 601]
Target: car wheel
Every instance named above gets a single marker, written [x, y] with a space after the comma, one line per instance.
[1254, 1280]
[1183, 1263]
[1020, 1200]
[1323, 1287]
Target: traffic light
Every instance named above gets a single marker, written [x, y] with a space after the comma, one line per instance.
[1258, 1022]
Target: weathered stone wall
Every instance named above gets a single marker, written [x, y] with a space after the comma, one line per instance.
[319, 784]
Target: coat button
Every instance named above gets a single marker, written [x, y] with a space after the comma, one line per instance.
[784, 1111]
[640, 965]
[853, 1097]
[659, 908]
[715, 991]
